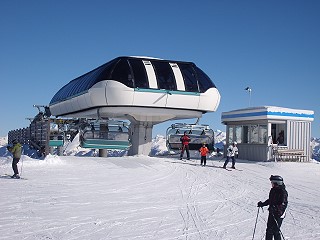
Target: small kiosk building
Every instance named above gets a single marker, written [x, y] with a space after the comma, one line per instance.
[270, 133]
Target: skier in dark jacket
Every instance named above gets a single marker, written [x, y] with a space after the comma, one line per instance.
[185, 139]
[16, 152]
[277, 202]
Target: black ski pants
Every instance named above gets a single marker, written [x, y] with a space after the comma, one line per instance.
[185, 147]
[203, 160]
[227, 161]
[14, 165]
[273, 227]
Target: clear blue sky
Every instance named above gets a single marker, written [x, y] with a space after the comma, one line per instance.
[272, 46]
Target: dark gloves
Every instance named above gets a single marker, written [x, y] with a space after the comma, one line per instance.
[260, 204]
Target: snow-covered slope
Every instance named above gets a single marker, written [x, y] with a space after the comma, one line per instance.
[155, 198]
[158, 147]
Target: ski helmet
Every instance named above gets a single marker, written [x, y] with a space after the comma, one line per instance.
[276, 179]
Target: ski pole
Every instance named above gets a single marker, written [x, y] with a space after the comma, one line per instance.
[255, 225]
[21, 162]
[274, 218]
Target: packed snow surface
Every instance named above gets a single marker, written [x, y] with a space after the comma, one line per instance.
[143, 197]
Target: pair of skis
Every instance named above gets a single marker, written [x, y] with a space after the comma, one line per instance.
[231, 169]
[8, 176]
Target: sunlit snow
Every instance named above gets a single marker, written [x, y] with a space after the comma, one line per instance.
[139, 197]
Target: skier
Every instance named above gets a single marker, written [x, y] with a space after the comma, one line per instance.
[277, 201]
[185, 139]
[232, 151]
[203, 152]
[16, 152]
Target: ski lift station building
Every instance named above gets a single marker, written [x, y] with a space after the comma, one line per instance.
[257, 131]
[145, 91]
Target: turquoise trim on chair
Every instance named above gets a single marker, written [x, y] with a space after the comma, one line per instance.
[55, 143]
[105, 144]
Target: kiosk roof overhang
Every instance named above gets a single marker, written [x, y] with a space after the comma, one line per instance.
[267, 113]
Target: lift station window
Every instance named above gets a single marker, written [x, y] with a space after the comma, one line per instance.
[122, 73]
[165, 77]
[139, 73]
[204, 81]
[190, 80]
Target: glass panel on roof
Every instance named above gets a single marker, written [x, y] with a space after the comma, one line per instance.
[84, 82]
[204, 81]
[139, 73]
[72, 89]
[122, 73]
[105, 70]
[189, 77]
[165, 77]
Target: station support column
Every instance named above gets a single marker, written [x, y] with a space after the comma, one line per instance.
[103, 153]
[103, 133]
[141, 138]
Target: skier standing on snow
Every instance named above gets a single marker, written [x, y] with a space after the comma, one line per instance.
[232, 151]
[16, 152]
[203, 152]
[185, 139]
[277, 201]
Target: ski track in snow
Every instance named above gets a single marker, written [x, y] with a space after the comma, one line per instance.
[153, 198]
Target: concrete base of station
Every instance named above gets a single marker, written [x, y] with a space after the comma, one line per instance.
[103, 152]
[141, 138]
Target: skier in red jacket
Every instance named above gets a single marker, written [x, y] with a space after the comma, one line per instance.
[185, 139]
[204, 152]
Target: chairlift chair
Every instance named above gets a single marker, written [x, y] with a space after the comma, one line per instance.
[198, 134]
[112, 135]
[56, 141]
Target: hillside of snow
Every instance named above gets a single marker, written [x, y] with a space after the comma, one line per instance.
[140, 197]
[158, 147]
[71, 197]
[73, 148]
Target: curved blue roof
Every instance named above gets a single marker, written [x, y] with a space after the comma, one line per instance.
[131, 72]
